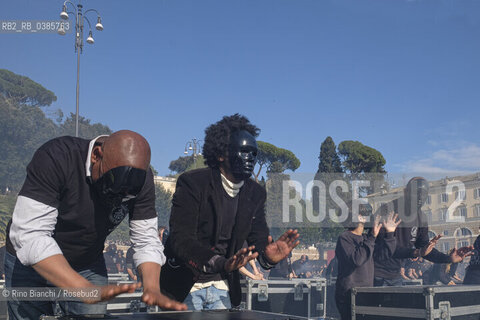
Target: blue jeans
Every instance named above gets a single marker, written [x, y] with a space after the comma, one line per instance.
[209, 298]
[18, 275]
[383, 282]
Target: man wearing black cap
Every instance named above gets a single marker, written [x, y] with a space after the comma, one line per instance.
[214, 211]
[76, 192]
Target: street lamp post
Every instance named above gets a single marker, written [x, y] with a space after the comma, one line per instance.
[80, 16]
[194, 146]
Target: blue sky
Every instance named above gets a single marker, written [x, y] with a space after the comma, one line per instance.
[399, 76]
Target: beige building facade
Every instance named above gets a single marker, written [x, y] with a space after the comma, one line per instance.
[168, 183]
[452, 209]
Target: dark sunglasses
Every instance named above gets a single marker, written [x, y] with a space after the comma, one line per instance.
[125, 181]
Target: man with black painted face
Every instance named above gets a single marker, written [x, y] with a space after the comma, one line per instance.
[214, 211]
[76, 192]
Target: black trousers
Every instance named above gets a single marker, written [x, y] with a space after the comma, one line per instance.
[344, 305]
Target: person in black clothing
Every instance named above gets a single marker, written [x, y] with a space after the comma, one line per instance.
[332, 268]
[129, 264]
[355, 251]
[120, 261]
[472, 273]
[75, 194]
[412, 237]
[301, 266]
[2, 260]
[283, 269]
[214, 211]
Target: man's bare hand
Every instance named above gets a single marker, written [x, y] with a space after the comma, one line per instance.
[108, 292]
[155, 298]
[391, 222]
[280, 249]
[459, 254]
[376, 226]
[424, 251]
[240, 259]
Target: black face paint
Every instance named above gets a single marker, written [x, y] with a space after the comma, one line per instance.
[242, 154]
[116, 187]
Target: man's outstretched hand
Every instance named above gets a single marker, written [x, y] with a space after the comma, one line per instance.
[155, 298]
[459, 254]
[280, 249]
[240, 259]
[108, 292]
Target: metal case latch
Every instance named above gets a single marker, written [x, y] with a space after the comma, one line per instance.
[298, 292]
[135, 305]
[444, 308]
[262, 292]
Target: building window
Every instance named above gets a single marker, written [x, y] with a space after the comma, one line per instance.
[462, 211]
[431, 234]
[445, 232]
[463, 243]
[463, 232]
[446, 247]
[443, 214]
[429, 199]
[460, 195]
[443, 198]
[477, 210]
[476, 193]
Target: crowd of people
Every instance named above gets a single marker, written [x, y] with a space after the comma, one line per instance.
[391, 251]
[78, 191]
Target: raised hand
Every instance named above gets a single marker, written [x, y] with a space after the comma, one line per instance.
[240, 259]
[376, 226]
[391, 222]
[280, 249]
[458, 255]
[429, 247]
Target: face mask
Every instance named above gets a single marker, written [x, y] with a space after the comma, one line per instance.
[417, 190]
[242, 154]
[116, 187]
[120, 184]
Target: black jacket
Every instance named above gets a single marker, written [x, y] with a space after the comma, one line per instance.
[195, 227]
[409, 236]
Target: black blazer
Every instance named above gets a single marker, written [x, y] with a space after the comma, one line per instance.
[195, 229]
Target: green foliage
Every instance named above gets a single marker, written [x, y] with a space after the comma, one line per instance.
[121, 232]
[275, 159]
[18, 89]
[86, 129]
[187, 163]
[7, 204]
[358, 158]
[197, 164]
[24, 127]
[155, 172]
[329, 159]
[163, 204]
[329, 169]
[310, 232]
[22, 130]
[181, 164]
